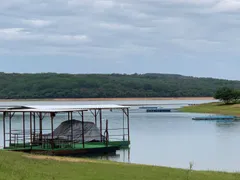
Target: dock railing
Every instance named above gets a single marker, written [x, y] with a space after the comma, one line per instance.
[27, 139]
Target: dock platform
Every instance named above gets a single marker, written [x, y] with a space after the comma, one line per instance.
[224, 118]
[72, 135]
[162, 110]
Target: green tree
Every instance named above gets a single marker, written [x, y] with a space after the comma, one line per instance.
[236, 96]
[227, 95]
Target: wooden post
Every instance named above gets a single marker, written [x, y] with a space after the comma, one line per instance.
[4, 138]
[10, 129]
[24, 129]
[101, 125]
[31, 129]
[83, 130]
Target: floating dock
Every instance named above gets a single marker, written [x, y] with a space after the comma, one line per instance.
[218, 118]
[162, 110]
[148, 107]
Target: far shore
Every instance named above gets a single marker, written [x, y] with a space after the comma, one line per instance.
[112, 99]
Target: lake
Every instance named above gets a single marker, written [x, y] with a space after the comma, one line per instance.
[168, 139]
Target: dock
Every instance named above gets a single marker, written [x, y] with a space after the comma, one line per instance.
[148, 107]
[73, 136]
[162, 110]
[218, 118]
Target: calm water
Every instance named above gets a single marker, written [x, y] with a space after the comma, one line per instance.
[169, 139]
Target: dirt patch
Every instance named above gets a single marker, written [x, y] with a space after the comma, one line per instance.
[56, 158]
[79, 160]
[66, 159]
[236, 105]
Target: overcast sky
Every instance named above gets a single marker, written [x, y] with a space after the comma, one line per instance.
[188, 37]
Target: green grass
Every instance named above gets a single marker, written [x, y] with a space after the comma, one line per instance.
[214, 108]
[15, 166]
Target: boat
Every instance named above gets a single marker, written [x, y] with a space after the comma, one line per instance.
[74, 136]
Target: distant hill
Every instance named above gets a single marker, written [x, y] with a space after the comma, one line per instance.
[53, 85]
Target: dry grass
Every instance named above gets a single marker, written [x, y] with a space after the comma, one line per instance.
[57, 158]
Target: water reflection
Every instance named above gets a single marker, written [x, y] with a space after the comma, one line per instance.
[122, 155]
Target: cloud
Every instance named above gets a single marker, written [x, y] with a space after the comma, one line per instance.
[36, 22]
[13, 34]
[121, 30]
[227, 6]
[22, 36]
[113, 26]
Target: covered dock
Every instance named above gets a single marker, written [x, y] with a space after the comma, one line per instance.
[77, 134]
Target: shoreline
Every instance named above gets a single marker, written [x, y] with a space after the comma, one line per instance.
[111, 99]
[213, 108]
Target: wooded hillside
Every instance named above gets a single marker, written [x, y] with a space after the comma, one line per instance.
[52, 85]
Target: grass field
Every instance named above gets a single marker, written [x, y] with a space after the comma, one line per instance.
[215, 108]
[19, 166]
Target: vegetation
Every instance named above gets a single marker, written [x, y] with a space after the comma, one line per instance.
[214, 108]
[16, 166]
[227, 95]
[228, 105]
[52, 85]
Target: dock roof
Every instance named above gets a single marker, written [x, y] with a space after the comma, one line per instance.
[59, 108]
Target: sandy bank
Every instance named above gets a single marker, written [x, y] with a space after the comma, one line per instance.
[112, 99]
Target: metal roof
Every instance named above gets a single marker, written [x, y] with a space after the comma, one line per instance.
[59, 108]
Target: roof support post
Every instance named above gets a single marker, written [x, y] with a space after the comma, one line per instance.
[24, 129]
[101, 125]
[95, 116]
[71, 129]
[31, 129]
[10, 128]
[52, 141]
[34, 127]
[40, 128]
[4, 138]
[126, 112]
[83, 130]
[123, 124]
[68, 115]
[128, 124]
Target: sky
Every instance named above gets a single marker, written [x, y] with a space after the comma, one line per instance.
[189, 37]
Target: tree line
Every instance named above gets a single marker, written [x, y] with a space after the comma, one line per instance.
[54, 85]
